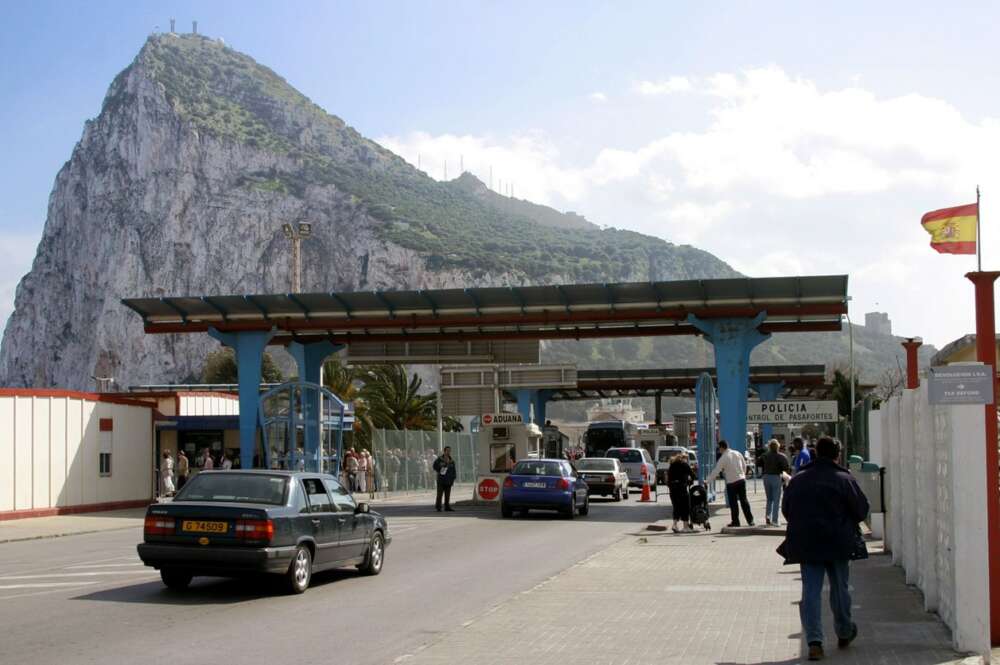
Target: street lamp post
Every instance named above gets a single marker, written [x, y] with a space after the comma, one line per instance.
[296, 235]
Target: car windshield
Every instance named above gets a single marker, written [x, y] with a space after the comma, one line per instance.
[668, 454]
[596, 465]
[625, 454]
[232, 487]
[538, 469]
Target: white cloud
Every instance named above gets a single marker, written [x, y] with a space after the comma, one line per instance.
[598, 97]
[781, 177]
[664, 87]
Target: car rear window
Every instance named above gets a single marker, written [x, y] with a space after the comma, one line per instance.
[667, 454]
[234, 487]
[626, 455]
[538, 469]
[594, 464]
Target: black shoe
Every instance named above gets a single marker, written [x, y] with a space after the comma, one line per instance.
[437, 508]
[449, 509]
[733, 524]
[844, 642]
[816, 651]
[750, 524]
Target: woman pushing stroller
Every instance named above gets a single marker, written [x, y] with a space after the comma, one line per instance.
[679, 477]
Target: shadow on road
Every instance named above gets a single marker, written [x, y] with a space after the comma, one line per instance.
[212, 590]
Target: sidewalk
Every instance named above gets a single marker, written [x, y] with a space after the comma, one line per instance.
[691, 599]
[69, 525]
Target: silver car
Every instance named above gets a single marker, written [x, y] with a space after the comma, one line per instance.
[633, 460]
[604, 476]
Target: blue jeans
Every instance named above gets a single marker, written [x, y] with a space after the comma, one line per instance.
[772, 490]
[811, 607]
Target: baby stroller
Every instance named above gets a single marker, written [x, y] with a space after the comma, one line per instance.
[698, 495]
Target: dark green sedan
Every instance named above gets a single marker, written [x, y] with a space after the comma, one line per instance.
[236, 523]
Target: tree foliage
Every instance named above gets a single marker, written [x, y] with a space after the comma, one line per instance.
[220, 367]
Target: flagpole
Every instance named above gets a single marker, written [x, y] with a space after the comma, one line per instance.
[979, 238]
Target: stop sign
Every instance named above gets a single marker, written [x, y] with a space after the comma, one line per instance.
[488, 489]
[488, 419]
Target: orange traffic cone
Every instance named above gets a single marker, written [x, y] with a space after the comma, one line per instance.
[645, 485]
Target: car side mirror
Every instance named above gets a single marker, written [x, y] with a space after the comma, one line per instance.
[362, 508]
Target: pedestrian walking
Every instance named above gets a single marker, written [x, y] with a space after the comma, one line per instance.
[734, 468]
[207, 463]
[774, 466]
[679, 478]
[444, 470]
[370, 474]
[823, 506]
[167, 475]
[802, 454]
[183, 469]
[351, 465]
[227, 462]
[363, 471]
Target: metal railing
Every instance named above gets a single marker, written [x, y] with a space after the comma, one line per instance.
[404, 458]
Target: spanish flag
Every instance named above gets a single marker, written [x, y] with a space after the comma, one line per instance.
[953, 230]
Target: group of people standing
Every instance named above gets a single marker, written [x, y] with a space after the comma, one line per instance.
[173, 475]
[359, 471]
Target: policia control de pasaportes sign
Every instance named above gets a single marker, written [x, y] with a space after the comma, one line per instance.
[792, 411]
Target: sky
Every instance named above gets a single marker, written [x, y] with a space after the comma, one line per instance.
[786, 138]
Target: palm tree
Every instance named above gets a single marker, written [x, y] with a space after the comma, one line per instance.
[344, 382]
[394, 400]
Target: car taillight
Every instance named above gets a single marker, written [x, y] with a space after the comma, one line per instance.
[156, 525]
[508, 482]
[609, 479]
[563, 484]
[255, 529]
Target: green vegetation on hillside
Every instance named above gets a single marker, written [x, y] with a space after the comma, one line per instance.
[228, 95]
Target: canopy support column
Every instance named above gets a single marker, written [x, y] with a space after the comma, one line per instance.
[733, 340]
[249, 349]
[309, 359]
[768, 392]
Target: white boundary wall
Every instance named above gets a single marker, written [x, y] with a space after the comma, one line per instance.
[936, 517]
[193, 404]
[50, 447]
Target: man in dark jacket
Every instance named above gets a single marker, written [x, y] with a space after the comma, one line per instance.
[444, 470]
[823, 506]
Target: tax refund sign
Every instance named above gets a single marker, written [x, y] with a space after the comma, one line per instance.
[960, 384]
[792, 411]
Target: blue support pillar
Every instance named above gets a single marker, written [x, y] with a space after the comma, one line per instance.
[249, 348]
[768, 392]
[309, 360]
[733, 340]
[540, 400]
[524, 400]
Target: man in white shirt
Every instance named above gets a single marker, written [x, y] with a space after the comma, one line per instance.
[734, 466]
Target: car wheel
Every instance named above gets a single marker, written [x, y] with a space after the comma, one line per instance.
[376, 555]
[571, 513]
[585, 508]
[506, 511]
[299, 570]
[175, 579]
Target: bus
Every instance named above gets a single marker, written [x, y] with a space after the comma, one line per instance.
[609, 434]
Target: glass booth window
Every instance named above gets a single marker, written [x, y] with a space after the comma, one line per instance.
[502, 457]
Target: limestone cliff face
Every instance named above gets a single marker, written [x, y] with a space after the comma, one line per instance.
[168, 194]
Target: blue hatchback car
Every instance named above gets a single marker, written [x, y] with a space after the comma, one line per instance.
[544, 484]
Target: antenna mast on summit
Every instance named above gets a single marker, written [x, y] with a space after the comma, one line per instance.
[194, 27]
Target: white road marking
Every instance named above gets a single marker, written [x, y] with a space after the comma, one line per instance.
[90, 574]
[105, 565]
[42, 585]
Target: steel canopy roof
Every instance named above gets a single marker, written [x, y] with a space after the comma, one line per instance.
[812, 303]
[799, 380]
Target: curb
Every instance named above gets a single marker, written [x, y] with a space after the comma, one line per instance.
[67, 533]
[753, 531]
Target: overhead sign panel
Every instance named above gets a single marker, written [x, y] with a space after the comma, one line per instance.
[960, 384]
[792, 411]
[444, 352]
